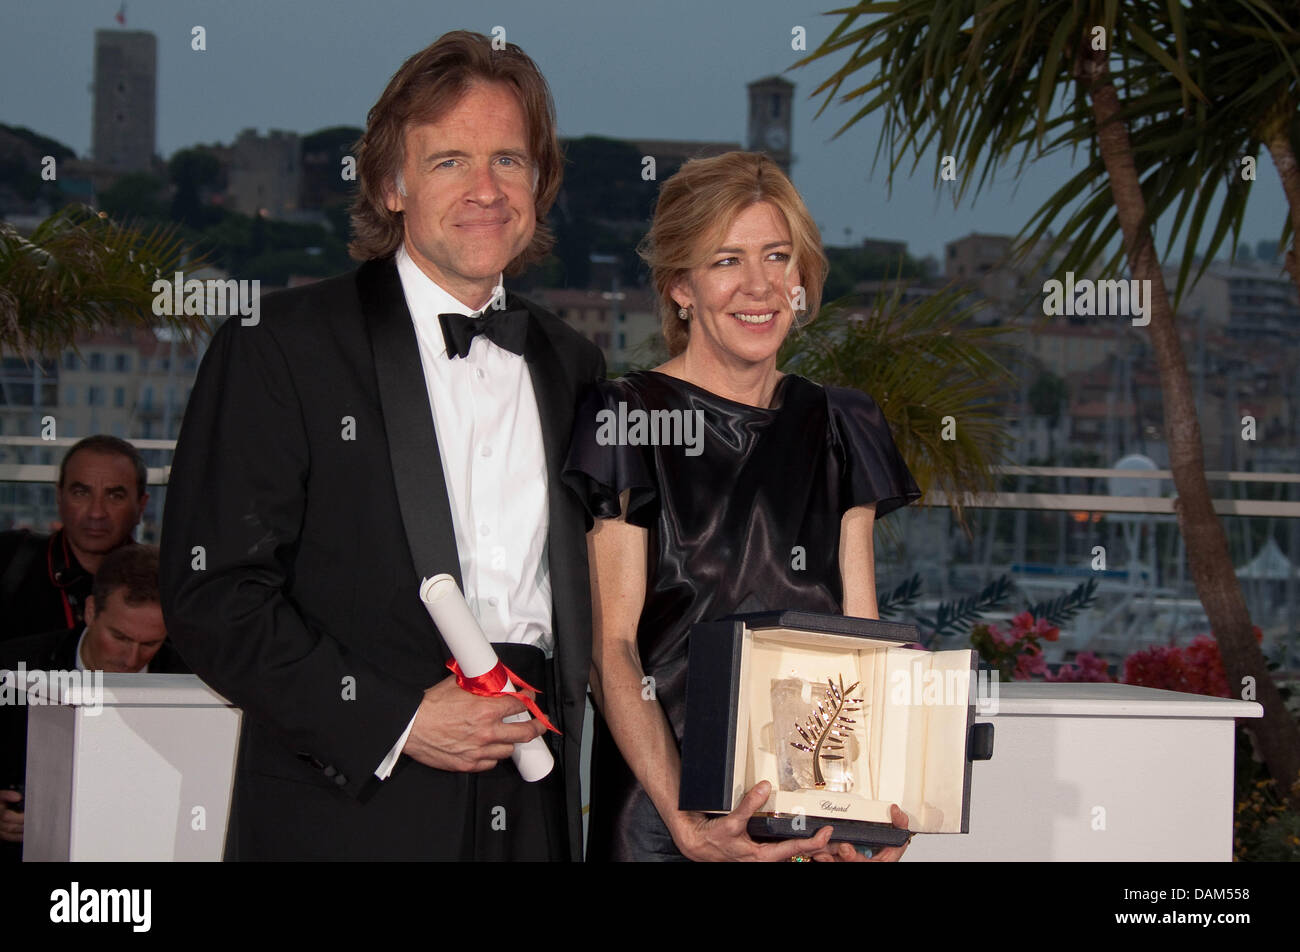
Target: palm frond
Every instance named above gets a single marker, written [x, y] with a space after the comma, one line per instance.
[1064, 607]
[956, 618]
[992, 84]
[80, 272]
[927, 365]
[903, 595]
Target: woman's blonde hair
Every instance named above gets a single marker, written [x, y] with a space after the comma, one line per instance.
[697, 206]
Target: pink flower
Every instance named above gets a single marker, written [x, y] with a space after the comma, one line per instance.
[1196, 669]
[1091, 668]
[1029, 664]
[1152, 667]
[1022, 625]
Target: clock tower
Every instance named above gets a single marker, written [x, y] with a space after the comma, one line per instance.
[770, 126]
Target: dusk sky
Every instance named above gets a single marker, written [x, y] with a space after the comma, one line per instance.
[671, 69]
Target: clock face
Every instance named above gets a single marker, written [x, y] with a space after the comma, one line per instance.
[775, 138]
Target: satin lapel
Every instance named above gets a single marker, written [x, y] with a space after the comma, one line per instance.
[408, 422]
[556, 400]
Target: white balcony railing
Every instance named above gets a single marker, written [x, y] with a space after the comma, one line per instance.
[1051, 502]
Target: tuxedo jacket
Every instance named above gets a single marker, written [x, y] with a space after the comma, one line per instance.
[306, 502]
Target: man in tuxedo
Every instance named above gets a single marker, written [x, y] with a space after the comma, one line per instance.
[393, 423]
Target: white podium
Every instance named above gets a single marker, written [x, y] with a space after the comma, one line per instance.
[1100, 772]
[148, 777]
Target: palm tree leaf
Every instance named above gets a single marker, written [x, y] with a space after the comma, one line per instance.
[81, 272]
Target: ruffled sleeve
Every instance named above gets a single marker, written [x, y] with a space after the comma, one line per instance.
[872, 469]
[599, 467]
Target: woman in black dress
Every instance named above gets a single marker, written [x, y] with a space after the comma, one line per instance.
[760, 494]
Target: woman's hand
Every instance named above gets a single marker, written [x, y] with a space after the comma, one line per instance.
[707, 839]
[847, 852]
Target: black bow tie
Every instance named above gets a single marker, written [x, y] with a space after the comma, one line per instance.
[506, 329]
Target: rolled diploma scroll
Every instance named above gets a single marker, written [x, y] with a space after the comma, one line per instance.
[473, 652]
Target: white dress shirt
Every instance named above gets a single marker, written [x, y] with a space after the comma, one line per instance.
[494, 461]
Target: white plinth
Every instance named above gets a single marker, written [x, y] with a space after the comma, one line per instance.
[147, 778]
[1100, 772]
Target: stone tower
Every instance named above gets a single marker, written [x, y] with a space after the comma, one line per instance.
[126, 99]
[770, 118]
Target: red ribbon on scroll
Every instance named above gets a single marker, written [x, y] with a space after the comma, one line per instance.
[492, 684]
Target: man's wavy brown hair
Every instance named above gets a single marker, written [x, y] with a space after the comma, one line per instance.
[428, 85]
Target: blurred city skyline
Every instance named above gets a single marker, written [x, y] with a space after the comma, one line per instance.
[666, 70]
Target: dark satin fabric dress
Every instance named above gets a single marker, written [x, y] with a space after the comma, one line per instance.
[749, 523]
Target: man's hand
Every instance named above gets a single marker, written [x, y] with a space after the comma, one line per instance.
[456, 730]
[11, 821]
